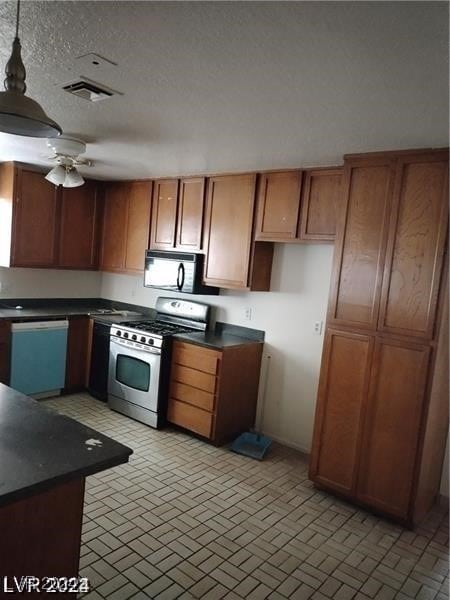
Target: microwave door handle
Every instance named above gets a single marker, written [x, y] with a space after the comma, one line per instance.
[180, 277]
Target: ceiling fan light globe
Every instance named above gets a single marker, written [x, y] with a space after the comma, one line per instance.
[57, 175]
[72, 179]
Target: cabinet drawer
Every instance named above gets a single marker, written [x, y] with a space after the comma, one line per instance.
[192, 395]
[190, 417]
[197, 379]
[196, 357]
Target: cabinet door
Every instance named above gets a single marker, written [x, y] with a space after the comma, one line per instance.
[228, 230]
[139, 194]
[342, 394]
[322, 191]
[79, 227]
[164, 215]
[278, 205]
[5, 351]
[392, 424]
[77, 352]
[416, 246]
[190, 213]
[34, 240]
[115, 219]
[361, 243]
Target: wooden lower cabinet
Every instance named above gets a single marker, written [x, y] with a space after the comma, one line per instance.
[373, 408]
[213, 393]
[5, 351]
[391, 430]
[342, 390]
[78, 349]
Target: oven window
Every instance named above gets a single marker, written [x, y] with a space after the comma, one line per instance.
[133, 372]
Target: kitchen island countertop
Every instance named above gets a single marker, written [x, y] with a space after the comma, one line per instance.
[39, 448]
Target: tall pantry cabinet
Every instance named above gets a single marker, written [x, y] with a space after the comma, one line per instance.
[382, 410]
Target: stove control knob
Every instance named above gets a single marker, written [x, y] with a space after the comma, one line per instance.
[151, 341]
[134, 337]
[143, 340]
[125, 335]
[118, 333]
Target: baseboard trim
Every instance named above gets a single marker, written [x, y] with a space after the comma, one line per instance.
[288, 443]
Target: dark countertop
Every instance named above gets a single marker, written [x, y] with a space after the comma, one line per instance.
[40, 448]
[216, 341]
[60, 308]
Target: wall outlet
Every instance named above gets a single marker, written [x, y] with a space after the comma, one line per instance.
[318, 325]
[248, 313]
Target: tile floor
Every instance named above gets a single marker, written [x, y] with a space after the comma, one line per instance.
[187, 520]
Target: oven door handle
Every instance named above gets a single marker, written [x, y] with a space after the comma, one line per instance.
[181, 273]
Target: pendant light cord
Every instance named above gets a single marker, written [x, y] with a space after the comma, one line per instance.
[17, 18]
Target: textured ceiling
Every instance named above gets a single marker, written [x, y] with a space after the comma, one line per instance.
[223, 86]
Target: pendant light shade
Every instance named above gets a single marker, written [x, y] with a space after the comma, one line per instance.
[19, 114]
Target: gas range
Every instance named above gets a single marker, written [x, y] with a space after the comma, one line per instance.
[139, 358]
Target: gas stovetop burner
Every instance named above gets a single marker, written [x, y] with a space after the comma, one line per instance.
[157, 327]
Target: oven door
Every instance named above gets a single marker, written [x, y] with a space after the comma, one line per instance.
[134, 374]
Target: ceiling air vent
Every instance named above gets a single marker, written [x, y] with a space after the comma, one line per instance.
[89, 90]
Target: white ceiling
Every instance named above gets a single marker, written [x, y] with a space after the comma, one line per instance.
[224, 86]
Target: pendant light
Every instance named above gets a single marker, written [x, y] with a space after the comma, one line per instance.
[19, 114]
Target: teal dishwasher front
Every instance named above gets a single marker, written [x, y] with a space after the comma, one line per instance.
[38, 357]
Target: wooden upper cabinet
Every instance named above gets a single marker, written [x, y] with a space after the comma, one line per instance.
[191, 201]
[164, 215]
[361, 243]
[392, 425]
[138, 224]
[43, 225]
[228, 230]
[416, 246]
[321, 199]
[78, 236]
[278, 205]
[114, 227]
[342, 390]
[299, 205]
[177, 217]
[35, 221]
[126, 225]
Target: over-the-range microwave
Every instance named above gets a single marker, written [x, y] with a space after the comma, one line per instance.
[176, 271]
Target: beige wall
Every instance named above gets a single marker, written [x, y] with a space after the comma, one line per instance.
[48, 283]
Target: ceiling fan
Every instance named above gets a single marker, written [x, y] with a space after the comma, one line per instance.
[67, 152]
